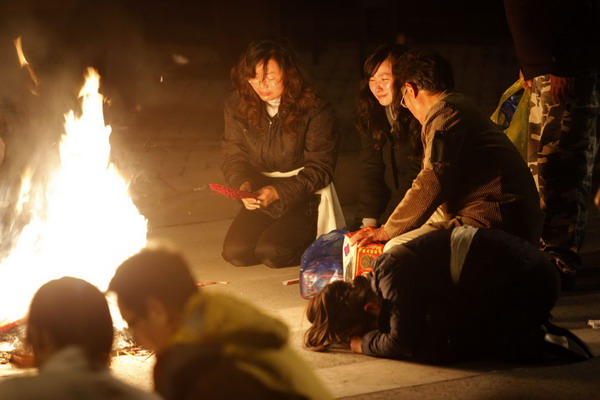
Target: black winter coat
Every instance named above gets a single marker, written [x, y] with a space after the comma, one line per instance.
[249, 151]
[388, 172]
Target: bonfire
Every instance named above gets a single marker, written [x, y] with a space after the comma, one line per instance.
[82, 221]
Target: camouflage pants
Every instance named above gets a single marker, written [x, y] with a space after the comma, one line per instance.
[563, 142]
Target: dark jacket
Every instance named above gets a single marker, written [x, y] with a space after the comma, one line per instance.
[473, 171]
[557, 37]
[387, 172]
[506, 290]
[249, 151]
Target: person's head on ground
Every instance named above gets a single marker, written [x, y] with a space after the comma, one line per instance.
[341, 311]
[269, 70]
[152, 289]
[423, 77]
[70, 312]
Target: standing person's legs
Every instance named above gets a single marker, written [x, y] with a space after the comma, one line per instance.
[284, 241]
[239, 246]
[563, 143]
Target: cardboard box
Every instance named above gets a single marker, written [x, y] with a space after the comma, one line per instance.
[359, 260]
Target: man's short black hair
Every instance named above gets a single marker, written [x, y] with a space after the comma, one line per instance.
[153, 273]
[427, 70]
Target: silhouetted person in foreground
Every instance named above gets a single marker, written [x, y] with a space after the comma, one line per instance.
[70, 331]
[208, 345]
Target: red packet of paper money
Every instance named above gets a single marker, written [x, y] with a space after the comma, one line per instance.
[231, 192]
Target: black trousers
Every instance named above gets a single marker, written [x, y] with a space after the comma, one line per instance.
[255, 237]
[506, 291]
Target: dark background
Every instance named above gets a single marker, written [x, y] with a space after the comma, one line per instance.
[133, 43]
[102, 31]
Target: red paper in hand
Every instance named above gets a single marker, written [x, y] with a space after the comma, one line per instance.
[231, 192]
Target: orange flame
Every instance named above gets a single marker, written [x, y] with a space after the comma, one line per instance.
[25, 64]
[84, 224]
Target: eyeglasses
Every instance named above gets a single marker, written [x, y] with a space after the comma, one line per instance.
[268, 82]
[402, 99]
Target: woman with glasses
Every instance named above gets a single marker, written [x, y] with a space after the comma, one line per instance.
[390, 139]
[281, 144]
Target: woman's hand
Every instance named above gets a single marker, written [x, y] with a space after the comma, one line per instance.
[267, 195]
[364, 237]
[249, 202]
[356, 344]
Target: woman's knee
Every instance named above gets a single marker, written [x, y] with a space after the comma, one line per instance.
[274, 256]
[239, 255]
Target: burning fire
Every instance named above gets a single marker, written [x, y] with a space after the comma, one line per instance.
[82, 223]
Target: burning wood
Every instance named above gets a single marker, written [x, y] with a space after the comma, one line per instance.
[14, 350]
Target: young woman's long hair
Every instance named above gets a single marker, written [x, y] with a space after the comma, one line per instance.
[337, 314]
[298, 94]
[371, 117]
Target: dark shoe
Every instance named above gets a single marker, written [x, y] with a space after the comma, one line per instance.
[564, 344]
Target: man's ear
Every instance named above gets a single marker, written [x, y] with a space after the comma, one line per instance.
[410, 86]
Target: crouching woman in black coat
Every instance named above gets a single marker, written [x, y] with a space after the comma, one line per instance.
[280, 142]
[451, 295]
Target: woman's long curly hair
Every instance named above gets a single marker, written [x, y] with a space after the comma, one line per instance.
[298, 94]
[371, 118]
[337, 314]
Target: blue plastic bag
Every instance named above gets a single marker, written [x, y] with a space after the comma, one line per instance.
[321, 263]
